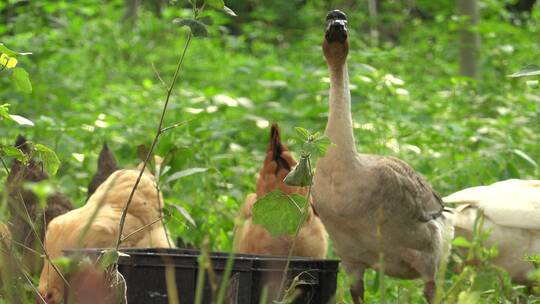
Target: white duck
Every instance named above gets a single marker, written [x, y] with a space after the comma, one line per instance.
[511, 211]
[373, 206]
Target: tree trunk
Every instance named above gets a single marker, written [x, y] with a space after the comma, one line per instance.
[469, 42]
[373, 22]
[131, 10]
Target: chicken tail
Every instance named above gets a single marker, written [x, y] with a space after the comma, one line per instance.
[106, 165]
[277, 149]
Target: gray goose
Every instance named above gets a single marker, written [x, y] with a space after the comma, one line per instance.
[373, 206]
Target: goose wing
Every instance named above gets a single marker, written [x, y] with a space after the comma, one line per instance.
[512, 203]
[409, 193]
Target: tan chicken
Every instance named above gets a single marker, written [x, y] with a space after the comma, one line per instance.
[23, 203]
[253, 238]
[101, 216]
[5, 238]
[374, 207]
[511, 210]
[5, 246]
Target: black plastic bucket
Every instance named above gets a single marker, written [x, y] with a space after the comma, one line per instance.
[144, 271]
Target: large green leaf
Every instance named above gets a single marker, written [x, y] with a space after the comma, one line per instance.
[51, 163]
[22, 80]
[279, 213]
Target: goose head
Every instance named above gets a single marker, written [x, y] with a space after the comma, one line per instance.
[336, 44]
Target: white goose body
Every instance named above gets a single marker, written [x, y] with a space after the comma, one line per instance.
[511, 211]
[372, 204]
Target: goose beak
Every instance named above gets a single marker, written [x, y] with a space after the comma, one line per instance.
[336, 27]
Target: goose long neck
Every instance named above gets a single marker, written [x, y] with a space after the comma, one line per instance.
[340, 127]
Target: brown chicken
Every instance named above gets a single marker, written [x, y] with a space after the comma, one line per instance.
[100, 217]
[22, 200]
[253, 238]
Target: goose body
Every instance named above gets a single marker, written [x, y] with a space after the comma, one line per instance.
[373, 206]
[511, 211]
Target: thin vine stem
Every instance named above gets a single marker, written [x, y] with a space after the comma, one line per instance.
[154, 142]
[303, 218]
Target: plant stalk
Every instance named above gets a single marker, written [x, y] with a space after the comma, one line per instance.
[154, 142]
[303, 218]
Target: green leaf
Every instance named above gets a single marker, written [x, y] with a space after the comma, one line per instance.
[303, 133]
[4, 49]
[184, 213]
[184, 173]
[300, 175]
[530, 70]
[21, 79]
[4, 111]
[219, 4]
[461, 242]
[197, 28]
[42, 190]
[51, 163]
[7, 62]
[279, 213]
[109, 257]
[11, 151]
[66, 264]
[525, 157]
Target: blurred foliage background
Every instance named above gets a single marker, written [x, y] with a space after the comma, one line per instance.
[93, 74]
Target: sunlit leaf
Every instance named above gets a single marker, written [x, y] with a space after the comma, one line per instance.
[461, 242]
[21, 120]
[66, 264]
[184, 173]
[278, 213]
[303, 133]
[530, 70]
[51, 163]
[4, 112]
[532, 83]
[22, 80]
[229, 11]
[525, 157]
[7, 62]
[4, 49]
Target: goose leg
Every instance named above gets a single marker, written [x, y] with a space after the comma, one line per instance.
[357, 287]
[429, 291]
